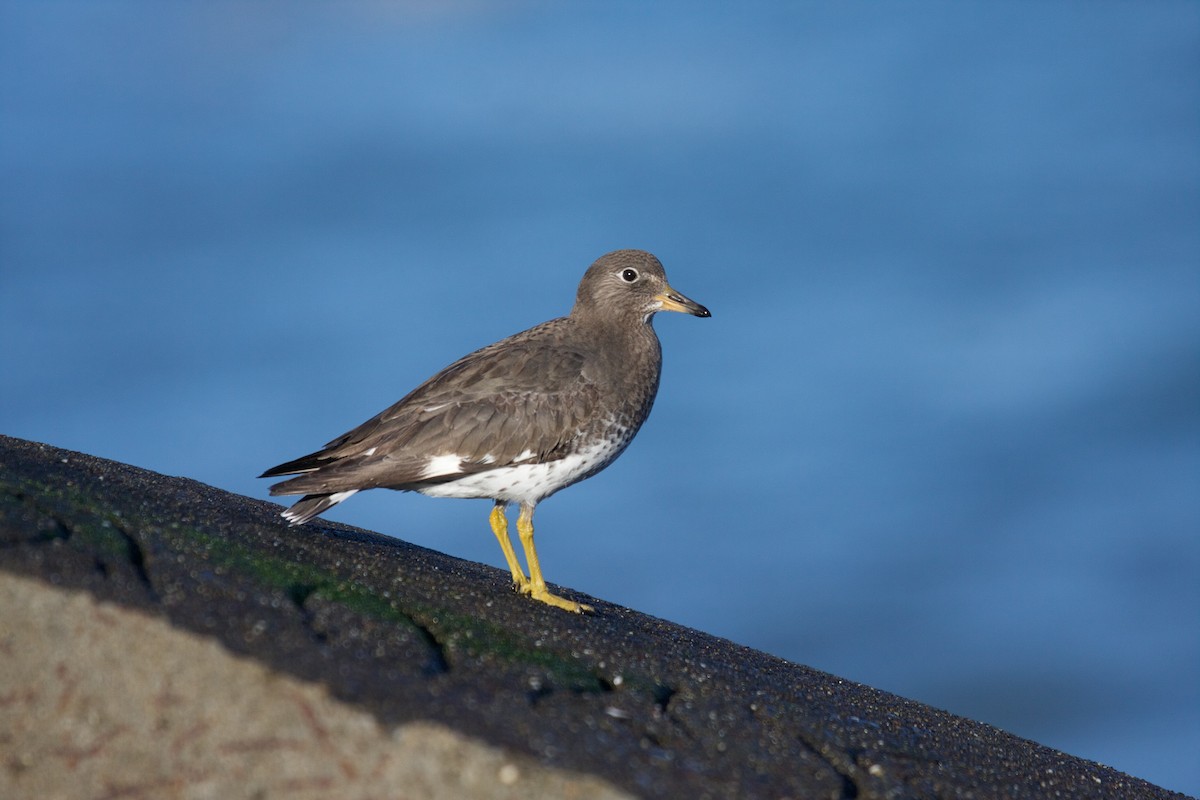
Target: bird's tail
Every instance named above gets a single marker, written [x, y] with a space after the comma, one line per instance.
[309, 506]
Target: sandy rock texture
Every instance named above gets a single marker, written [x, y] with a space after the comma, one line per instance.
[100, 701]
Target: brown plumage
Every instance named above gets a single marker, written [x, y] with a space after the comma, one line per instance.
[517, 420]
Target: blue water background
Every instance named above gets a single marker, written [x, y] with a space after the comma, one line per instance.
[941, 435]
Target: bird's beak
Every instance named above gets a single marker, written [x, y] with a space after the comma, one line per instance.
[671, 300]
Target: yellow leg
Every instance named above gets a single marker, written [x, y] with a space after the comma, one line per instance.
[537, 584]
[500, 528]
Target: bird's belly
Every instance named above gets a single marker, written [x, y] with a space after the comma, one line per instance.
[530, 483]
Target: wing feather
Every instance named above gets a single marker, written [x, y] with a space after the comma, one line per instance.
[489, 408]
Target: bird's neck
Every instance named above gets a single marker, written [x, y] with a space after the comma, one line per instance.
[624, 349]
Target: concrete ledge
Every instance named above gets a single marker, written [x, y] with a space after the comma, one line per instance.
[362, 665]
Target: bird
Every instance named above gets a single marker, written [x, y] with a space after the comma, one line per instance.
[515, 421]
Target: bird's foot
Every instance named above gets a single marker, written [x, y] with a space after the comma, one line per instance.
[545, 596]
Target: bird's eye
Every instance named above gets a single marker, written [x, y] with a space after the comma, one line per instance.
[629, 275]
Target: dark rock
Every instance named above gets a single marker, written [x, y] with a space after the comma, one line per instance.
[407, 634]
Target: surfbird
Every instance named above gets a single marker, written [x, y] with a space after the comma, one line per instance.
[517, 420]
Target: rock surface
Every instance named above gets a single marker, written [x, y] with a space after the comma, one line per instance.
[165, 638]
[102, 701]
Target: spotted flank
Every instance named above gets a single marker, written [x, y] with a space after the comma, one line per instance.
[519, 482]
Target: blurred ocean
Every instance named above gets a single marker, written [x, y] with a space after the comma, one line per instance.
[941, 435]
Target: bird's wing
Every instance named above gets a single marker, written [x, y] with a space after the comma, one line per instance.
[510, 403]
